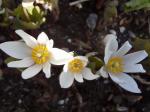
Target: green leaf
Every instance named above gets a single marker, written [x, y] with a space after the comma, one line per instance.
[28, 18]
[110, 11]
[95, 63]
[142, 44]
[133, 5]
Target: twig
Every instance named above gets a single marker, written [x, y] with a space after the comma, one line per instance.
[77, 2]
[141, 80]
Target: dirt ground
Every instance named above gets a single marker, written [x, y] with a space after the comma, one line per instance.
[71, 32]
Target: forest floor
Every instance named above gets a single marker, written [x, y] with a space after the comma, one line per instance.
[72, 33]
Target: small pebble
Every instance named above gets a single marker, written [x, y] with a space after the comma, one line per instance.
[19, 101]
[91, 21]
[122, 29]
[79, 6]
[69, 40]
[61, 102]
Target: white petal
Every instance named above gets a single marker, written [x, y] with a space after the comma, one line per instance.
[26, 62]
[49, 44]
[31, 71]
[111, 47]
[134, 68]
[124, 49]
[88, 75]
[83, 58]
[29, 40]
[66, 79]
[47, 70]
[128, 83]
[116, 77]
[60, 57]
[65, 68]
[16, 49]
[108, 37]
[103, 72]
[42, 38]
[135, 57]
[78, 77]
[27, 3]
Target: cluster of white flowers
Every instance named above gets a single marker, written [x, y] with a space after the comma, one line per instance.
[37, 55]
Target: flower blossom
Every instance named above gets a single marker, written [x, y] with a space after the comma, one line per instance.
[118, 63]
[35, 54]
[76, 69]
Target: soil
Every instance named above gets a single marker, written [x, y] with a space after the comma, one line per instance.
[70, 32]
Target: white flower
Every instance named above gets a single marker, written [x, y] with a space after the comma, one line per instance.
[118, 63]
[76, 69]
[36, 54]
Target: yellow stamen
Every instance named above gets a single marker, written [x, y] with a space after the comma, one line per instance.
[40, 54]
[115, 65]
[76, 66]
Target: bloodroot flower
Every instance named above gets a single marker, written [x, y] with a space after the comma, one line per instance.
[118, 63]
[35, 54]
[76, 69]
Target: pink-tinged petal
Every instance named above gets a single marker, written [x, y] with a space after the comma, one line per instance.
[134, 68]
[78, 77]
[47, 70]
[124, 49]
[88, 75]
[111, 47]
[42, 38]
[26, 62]
[135, 57]
[29, 40]
[66, 79]
[16, 49]
[31, 71]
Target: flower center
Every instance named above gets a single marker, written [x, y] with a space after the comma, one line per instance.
[76, 66]
[40, 54]
[115, 65]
